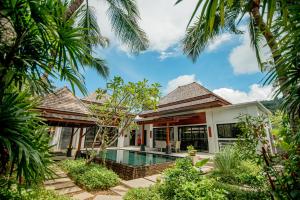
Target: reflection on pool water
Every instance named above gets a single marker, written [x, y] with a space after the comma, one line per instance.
[135, 158]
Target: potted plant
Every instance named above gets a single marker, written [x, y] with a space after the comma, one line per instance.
[191, 150]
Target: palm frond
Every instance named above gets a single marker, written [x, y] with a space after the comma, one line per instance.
[91, 30]
[126, 27]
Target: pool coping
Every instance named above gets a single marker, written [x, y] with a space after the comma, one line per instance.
[142, 152]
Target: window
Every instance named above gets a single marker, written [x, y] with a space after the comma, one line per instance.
[161, 133]
[193, 135]
[228, 130]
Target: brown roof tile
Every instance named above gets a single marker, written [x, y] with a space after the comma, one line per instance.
[186, 97]
[92, 98]
[184, 92]
[63, 100]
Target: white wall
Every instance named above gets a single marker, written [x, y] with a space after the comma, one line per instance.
[227, 115]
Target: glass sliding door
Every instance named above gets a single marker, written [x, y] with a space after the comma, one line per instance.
[161, 134]
[193, 135]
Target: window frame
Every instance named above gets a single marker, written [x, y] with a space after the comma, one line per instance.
[233, 134]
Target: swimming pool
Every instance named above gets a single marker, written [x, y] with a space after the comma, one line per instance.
[136, 158]
[134, 164]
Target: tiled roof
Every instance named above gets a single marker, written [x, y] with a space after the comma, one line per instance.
[63, 100]
[186, 92]
[190, 96]
[93, 98]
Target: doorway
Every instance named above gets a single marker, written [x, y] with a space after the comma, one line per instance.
[145, 137]
[132, 138]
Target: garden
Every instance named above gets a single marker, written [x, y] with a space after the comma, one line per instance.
[44, 41]
[90, 177]
[232, 178]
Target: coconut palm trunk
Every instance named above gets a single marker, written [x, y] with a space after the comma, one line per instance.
[73, 7]
[271, 41]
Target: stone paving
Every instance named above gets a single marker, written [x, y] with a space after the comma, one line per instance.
[65, 186]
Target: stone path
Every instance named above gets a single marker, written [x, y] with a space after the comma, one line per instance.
[65, 186]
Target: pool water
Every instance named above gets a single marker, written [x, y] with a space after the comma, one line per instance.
[135, 158]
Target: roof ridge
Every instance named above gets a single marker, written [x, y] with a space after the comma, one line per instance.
[188, 92]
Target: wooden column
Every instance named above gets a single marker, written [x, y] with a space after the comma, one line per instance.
[168, 148]
[78, 153]
[168, 134]
[142, 138]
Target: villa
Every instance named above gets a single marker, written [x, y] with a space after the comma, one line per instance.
[189, 115]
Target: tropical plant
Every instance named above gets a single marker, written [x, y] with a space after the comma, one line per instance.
[182, 172]
[91, 177]
[204, 189]
[56, 38]
[123, 102]
[143, 194]
[41, 41]
[226, 160]
[24, 139]
[282, 167]
[272, 23]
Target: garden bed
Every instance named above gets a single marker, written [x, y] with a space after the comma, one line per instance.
[90, 177]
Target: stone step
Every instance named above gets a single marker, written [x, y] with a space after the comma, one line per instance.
[121, 190]
[58, 186]
[58, 180]
[69, 190]
[137, 183]
[108, 197]
[82, 196]
[154, 177]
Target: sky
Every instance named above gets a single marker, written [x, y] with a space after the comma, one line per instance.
[227, 67]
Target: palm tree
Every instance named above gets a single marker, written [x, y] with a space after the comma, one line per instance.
[219, 16]
[123, 15]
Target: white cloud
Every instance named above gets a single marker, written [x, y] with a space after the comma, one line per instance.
[257, 92]
[218, 41]
[163, 22]
[173, 52]
[242, 58]
[179, 81]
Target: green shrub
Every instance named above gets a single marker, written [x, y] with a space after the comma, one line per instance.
[250, 173]
[182, 172]
[69, 165]
[226, 160]
[143, 194]
[35, 193]
[234, 192]
[92, 176]
[246, 173]
[98, 178]
[204, 189]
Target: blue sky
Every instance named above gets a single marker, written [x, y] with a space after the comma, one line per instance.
[227, 66]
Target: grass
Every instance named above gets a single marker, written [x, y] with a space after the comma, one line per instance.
[91, 177]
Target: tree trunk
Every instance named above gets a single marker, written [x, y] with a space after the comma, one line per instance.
[73, 7]
[271, 41]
